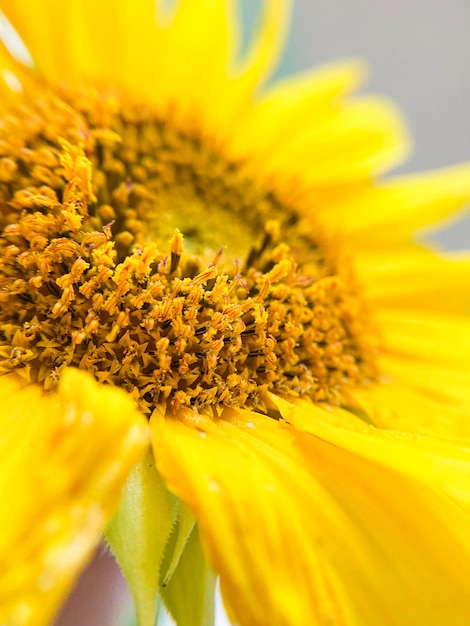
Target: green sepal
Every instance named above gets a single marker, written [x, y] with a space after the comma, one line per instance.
[190, 593]
[138, 534]
[177, 542]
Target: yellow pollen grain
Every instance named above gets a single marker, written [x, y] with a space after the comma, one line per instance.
[136, 250]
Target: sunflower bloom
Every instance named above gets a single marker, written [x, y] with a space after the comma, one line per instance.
[274, 382]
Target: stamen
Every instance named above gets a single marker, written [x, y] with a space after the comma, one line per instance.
[176, 249]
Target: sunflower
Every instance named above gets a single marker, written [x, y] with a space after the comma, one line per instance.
[192, 259]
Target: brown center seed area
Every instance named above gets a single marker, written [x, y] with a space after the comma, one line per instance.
[136, 250]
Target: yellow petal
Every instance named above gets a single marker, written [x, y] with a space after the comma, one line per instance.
[416, 278]
[440, 463]
[196, 77]
[82, 39]
[247, 517]
[14, 63]
[419, 398]
[295, 101]
[37, 25]
[425, 367]
[133, 45]
[267, 45]
[63, 458]
[426, 336]
[400, 544]
[342, 144]
[203, 78]
[301, 529]
[386, 214]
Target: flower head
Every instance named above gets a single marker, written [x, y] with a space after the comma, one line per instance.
[230, 258]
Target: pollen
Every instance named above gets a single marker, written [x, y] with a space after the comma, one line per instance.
[133, 247]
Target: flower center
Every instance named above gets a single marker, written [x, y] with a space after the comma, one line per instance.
[135, 249]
